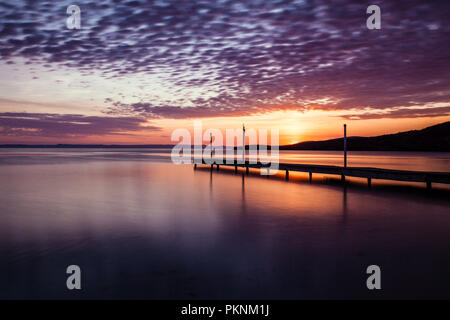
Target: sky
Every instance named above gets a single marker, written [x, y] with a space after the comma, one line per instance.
[137, 70]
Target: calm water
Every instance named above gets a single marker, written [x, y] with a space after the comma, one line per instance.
[420, 161]
[141, 227]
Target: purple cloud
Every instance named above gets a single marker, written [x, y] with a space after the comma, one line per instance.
[254, 56]
[58, 125]
[402, 113]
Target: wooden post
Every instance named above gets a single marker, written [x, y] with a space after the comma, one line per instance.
[428, 181]
[243, 143]
[246, 170]
[235, 168]
[345, 145]
[195, 166]
[310, 177]
[369, 182]
[287, 174]
[210, 144]
[217, 167]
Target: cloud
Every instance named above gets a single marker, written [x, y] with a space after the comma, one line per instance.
[245, 57]
[401, 113]
[59, 125]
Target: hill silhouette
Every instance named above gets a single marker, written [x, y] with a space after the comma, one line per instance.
[434, 138]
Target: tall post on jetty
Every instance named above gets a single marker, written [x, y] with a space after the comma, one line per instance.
[243, 143]
[345, 145]
[210, 145]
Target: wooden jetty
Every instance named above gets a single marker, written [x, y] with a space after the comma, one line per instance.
[359, 172]
[345, 171]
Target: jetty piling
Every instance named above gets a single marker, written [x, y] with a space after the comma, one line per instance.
[358, 172]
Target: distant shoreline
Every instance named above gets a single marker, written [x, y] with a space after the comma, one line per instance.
[281, 148]
[102, 146]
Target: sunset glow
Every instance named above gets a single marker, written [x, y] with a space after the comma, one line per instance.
[132, 76]
[224, 159]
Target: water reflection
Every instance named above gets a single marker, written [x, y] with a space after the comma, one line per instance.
[344, 204]
[419, 161]
[243, 194]
[155, 230]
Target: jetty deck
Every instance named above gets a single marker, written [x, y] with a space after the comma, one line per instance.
[359, 172]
